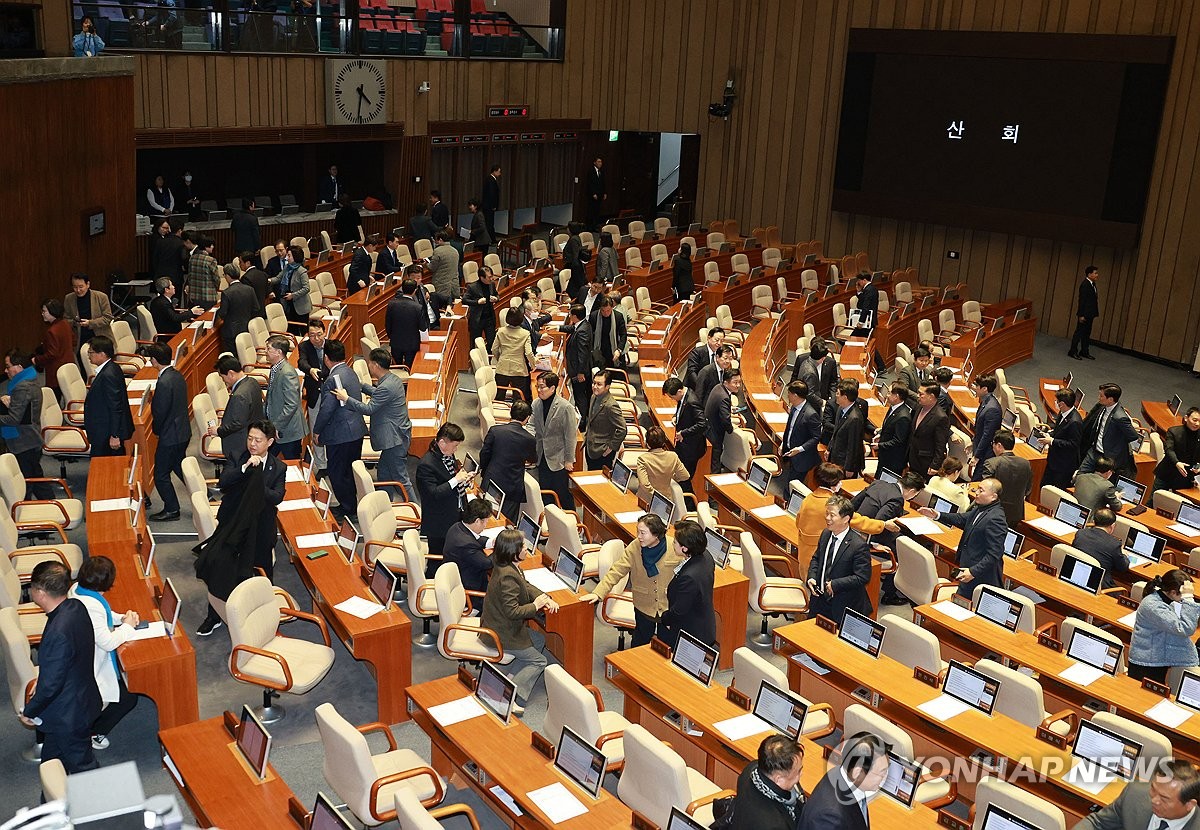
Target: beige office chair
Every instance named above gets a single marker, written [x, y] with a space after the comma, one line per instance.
[146, 325]
[762, 303]
[749, 672]
[932, 791]
[421, 601]
[580, 707]
[562, 530]
[916, 573]
[770, 596]
[911, 645]
[261, 657]
[1156, 746]
[407, 513]
[713, 242]
[655, 779]
[19, 671]
[380, 532]
[633, 257]
[74, 392]
[1011, 798]
[1020, 698]
[202, 415]
[24, 558]
[412, 815]
[249, 357]
[53, 777]
[31, 619]
[368, 783]
[658, 252]
[66, 512]
[616, 609]
[204, 516]
[1049, 497]
[61, 439]
[462, 638]
[1167, 502]
[1026, 620]
[712, 273]
[661, 225]
[538, 249]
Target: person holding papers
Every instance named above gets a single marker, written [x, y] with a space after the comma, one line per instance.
[510, 603]
[768, 792]
[981, 548]
[465, 545]
[650, 561]
[1163, 628]
[1169, 800]
[841, 567]
[690, 592]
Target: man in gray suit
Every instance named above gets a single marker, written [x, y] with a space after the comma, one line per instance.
[283, 399]
[244, 406]
[339, 428]
[1168, 801]
[169, 420]
[443, 264]
[1014, 473]
[556, 430]
[606, 427]
[239, 304]
[1095, 489]
[391, 428]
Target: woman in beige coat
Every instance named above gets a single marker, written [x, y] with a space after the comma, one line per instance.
[514, 354]
[658, 467]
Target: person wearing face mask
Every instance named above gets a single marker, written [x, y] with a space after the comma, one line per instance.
[768, 793]
[839, 801]
[190, 198]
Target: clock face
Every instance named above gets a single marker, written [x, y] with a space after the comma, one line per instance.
[357, 92]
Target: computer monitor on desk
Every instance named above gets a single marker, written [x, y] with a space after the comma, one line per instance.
[1097, 652]
[1072, 513]
[942, 505]
[148, 559]
[717, 546]
[861, 632]
[1085, 575]
[902, 778]
[1189, 514]
[998, 609]
[1106, 750]
[759, 478]
[1175, 404]
[973, 688]
[661, 506]
[884, 474]
[682, 821]
[1129, 491]
[495, 691]
[580, 761]
[168, 606]
[694, 658]
[1142, 546]
[997, 818]
[794, 502]
[1189, 690]
[325, 816]
[569, 568]
[348, 539]
[530, 530]
[780, 708]
[383, 584]
[1013, 542]
[621, 475]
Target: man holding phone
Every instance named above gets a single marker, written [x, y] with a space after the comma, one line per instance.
[841, 567]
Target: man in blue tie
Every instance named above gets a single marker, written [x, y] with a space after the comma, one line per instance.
[798, 451]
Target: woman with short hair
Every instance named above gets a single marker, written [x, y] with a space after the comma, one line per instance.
[658, 467]
[690, 593]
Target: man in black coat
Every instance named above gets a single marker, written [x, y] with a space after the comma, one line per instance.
[311, 360]
[709, 377]
[690, 592]
[244, 407]
[702, 356]
[841, 566]
[930, 433]
[801, 434]
[255, 277]
[1096, 539]
[239, 304]
[107, 420]
[359, 275]
[1181, 452]
[819, 370]
[479, 229]
[167, 320]
[465, 547]
[66, 700]
[981, 548]
[491, 199]
[276, 263]
[867, 305]
[1108, 430]
[387, 261]
[718, 413]
[891, 442]
[170, 422]
[404, 323]
[169, 257]
[246, 233]
[575, 258]
[506, 450]
[690, 425]
[260, 437]
[329, 187]
[1086, 311]
[597, 193]
[1064, 442]
[846, 441]
[439, 214]
[442, 486]
[579, 360]
[838, 805]
[480, 300]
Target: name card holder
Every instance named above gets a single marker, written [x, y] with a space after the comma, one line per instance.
[951, 821]
[927, 677]
[1049, 642]
[466, 678]
[1166, 514]
[1047, 568]
[1189, 570]
[640, 822]
[297, 813]
[1057, 741]
[826, 624]
[1155, 687]
[231, 722]
[1126, 601]
[959, 599]
[660, 647]
[542, 745]
[738, 698]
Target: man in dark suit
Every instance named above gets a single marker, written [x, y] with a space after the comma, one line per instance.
[404, 323]
[479, 229]
[868, 303]
[930, 433]
[169, 420]
[918, 372]
[718, 413]
[491, 199]
[1014, 474]
[1086, 311]
[442, 486]
[506, 450]
[1108, 430]
[981, 548]
[690, 425]
[66, 700]
[1097, 540]
[329, 188]
[260, 437]
[239, 304]
[1065, 438]
[107, 420]
[845, 445]
[1168, 800]
[245, 406]
[465, 547]
[359, 275]
[391, 428]
[439, 214]
[597, 193]
[609, 338]
[388, 259]
[798, 450]
[1096, 489]
[882, 502]
[988, 418]
[480, 300]
[1181, 452]
[276, 263]
[839, 801]
[702, 356]
[709, 377]
[168, 257]
[944, 376]
[255, 277]
[690, 591]
[819, 371]
[247, 235]
[589, 297]
[339, 428]
[578, 352]
[891, 442]
[311, 362]
[841, 566]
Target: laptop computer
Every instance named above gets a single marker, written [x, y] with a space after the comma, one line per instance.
[694, 658]
[1075, 571]
[862, 632]
[569, 569]
[621, 475]
[580, 761]
[998, 609]
[718, 547]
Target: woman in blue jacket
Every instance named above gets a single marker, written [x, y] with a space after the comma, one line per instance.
[87, 44]
[1163, 628]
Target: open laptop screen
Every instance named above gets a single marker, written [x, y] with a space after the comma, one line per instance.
[1081, 574]
[1095, 651]
[861, 632]
[1076, 515]
[1145, 545]
[998, 609]
[717, 546]
[973, 688]
[1189, 690]
[580, 761]
[695, 658]
[1130, 491]
[997, 818]
[780, 708]
[884, 474]
[943, 505]
[1106, 749]
[1189, 514]
[621, 475]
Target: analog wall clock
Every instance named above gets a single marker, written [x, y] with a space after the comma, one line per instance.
[355, 91]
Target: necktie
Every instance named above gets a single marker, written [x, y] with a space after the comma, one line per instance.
[1162, 824]
[827, 562]
[787, 433]
[679, 411]
[1100, 431]
[452, 468]
[862, 805]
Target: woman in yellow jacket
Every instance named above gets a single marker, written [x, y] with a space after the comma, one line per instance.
[650, 561]
[514, 354]
[658, 467]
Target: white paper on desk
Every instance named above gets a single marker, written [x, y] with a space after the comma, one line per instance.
[1168, 714]
[293, 474]
[957, 387]
[427, 423]
[295, 504]
[953, 610]
[921, 526]
[1050, 387]
[432, 355]
[769, 511]
[943, 707]
[545, 580]
[726, 479]
[506, 799]
[763, 396]
[664, 410]
[1081, 674]
[743, 726]
[194, 325]
[108, 505]
[422, 376]
[142, 385]
[628, 517]
[873, 402]
[436, 338]
[653, 370]
[809, 663]
[1091, 778]
[1184, 530]
[557, 802]
[588, 481]
[316, 540]
[422, 405]
[546, 349]
[360, 607]
[490, 534]
[774, 417]
[1051, 525]
[455, 711]
[1128, 619]
[156, 628]
[969, 410]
